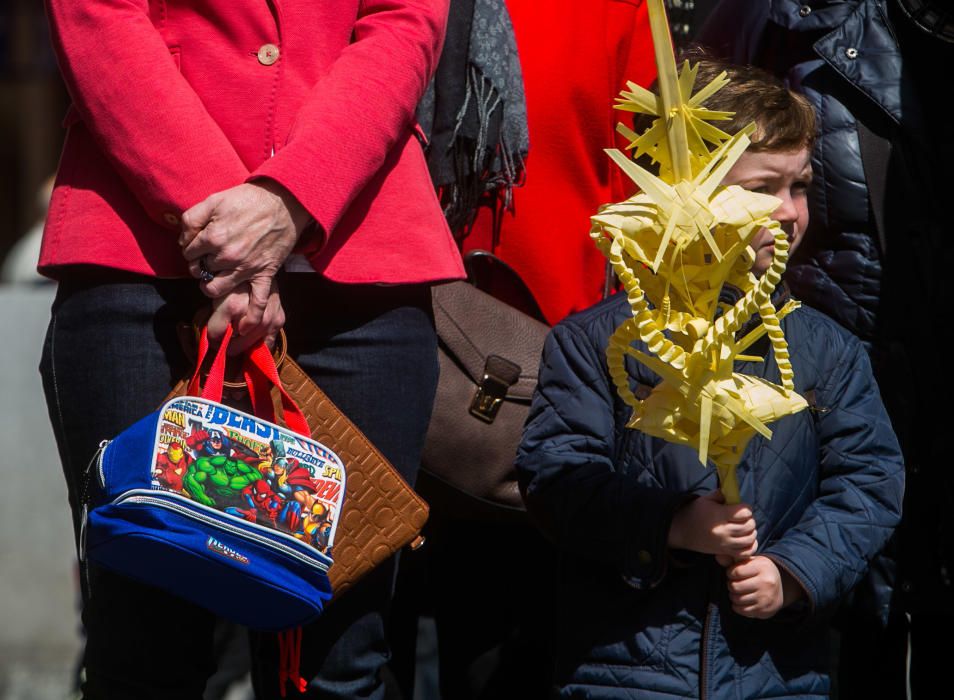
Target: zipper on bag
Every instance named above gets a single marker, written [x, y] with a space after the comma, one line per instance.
[97, 459]
[193, 511]
[100, 469]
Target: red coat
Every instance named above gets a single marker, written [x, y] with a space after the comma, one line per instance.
[576, 57]
[176, 100]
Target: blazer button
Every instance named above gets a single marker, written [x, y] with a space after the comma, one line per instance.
[268, 54]
[171, 218]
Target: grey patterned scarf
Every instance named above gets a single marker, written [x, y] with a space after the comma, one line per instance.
[475, 114]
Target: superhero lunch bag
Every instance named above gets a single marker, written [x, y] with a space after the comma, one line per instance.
[222, 508]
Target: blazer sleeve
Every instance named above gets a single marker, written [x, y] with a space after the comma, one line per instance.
[566, 469]
[145, 116]
[362, 108]
[861, 486]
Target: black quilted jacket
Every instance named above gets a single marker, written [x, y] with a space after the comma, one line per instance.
[889, 285]
[843, 57]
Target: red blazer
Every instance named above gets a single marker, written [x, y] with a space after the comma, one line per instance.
[176, 99]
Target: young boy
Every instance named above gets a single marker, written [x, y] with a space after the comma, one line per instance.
[665, 591]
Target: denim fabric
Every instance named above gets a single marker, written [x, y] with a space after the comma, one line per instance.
[111, 355]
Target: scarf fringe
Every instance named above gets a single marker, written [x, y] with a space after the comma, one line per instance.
[482, 172]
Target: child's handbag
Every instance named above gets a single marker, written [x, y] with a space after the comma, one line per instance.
[222, 508]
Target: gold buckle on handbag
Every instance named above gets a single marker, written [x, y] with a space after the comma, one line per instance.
[499, 375]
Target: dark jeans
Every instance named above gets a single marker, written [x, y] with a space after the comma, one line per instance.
[112, 354]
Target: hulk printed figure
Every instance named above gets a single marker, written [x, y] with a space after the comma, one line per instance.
[219, 478]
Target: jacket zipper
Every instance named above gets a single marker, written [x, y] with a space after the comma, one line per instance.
[191, 511]
[704, 666]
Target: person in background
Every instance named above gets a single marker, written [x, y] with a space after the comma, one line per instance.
[262, 156]
[575, 59]
[876, 259]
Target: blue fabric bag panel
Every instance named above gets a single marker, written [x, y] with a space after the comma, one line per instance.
[128, 459]
[219, 567]
[257, 550]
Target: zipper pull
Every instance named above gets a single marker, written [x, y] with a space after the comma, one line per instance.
[92, 460]
[100, 454]
[84, 518]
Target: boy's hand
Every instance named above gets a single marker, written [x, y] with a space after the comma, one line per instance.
[707, 525]
[759, 589]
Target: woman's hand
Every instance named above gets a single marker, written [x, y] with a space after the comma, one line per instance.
[251, 326]
[707, 525]
[243, 236]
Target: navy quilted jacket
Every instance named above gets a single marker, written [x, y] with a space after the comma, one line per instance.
[637, 621]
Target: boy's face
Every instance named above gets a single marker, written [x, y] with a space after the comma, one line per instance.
[783, 175]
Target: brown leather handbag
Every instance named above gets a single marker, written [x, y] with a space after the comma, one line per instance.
[381, 512]
[489, 353]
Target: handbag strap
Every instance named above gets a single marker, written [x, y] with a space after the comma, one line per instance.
[260, 376]
[215, 380]
[259, 362]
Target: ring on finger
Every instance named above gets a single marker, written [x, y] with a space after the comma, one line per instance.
[205, 274]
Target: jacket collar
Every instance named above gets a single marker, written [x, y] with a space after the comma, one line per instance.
[860, 45]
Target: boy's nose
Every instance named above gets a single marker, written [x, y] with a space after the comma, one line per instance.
[787, 211]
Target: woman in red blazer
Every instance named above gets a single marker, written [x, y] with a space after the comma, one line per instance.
[268, 148]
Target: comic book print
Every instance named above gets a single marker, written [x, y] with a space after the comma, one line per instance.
[249, 469]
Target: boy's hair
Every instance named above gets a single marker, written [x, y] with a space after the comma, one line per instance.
[784, 120]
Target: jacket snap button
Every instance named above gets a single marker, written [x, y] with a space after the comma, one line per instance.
[268, 54]
[171, 218]
[851, 53]
[644, 557]
[804, 10]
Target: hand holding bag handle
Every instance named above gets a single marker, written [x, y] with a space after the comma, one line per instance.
[381, 513]
[171, 521]
[258, 360]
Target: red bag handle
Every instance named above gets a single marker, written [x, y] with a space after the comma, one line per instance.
[258, 362]
[216, 378]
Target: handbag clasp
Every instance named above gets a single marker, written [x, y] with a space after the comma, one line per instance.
[499, 375]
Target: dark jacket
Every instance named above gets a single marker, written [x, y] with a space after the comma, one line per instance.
[826, 493]
[842, 56]
[878, 252]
